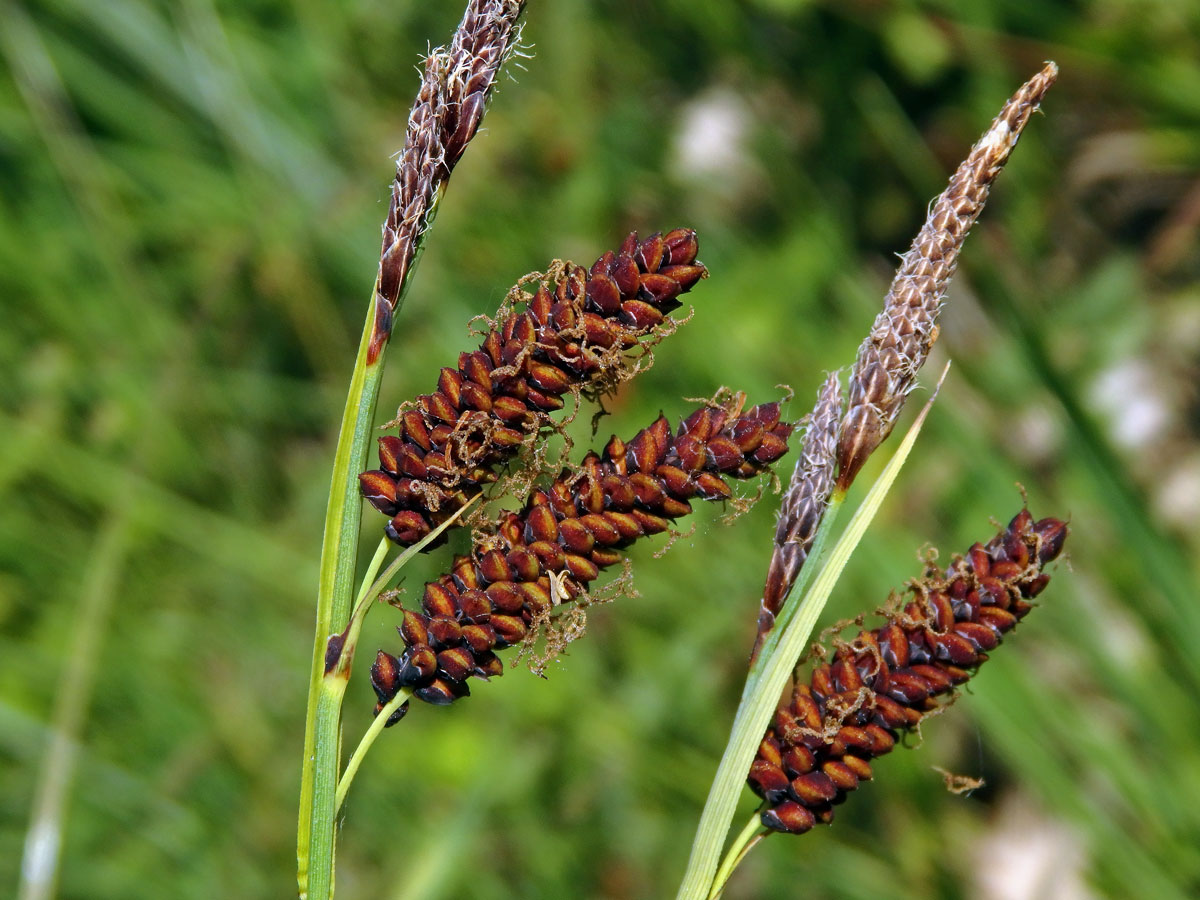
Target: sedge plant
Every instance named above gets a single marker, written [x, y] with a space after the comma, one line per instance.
[544, 527]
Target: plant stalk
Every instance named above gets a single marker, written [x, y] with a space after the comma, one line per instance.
[339, 556]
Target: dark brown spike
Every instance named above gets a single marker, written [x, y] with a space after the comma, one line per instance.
[888, 679]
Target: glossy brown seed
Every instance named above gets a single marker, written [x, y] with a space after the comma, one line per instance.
[407, 527]
[650, 253]
[789, 817]
[546, 402]
[772, 447]
[768, 750]
[385, 676]
[641, 454]
[389, 450]
[582, 568]
[798, 760]
[479, 638]
[541, 524]
[444, 631]
[379, 489]
[549, 554]
[724, 455]
[414, 429]
[601, 528]
[813, 788]
[643, 316]
[680, 246]
[626, 524]
[505, 597]
[415, 628]
[524, 565]
[450, 383]
[768, 781]
[537, 595]
[474, 606]
[477, 367]
[438, 600]
[441, 692]
[649, 523]
[710, 486]
[456, 663]
[509, 630]
[575, 535]
[493, 566]
[840, 774]
[417, 666]
[675, 509]
[685, 276]
[618, 492]
[675, 482]
[487, 666]
[509, 409]
[605, 557]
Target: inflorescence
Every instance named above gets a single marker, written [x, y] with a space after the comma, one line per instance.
[549, 553]
[575, 334]
[887, 680]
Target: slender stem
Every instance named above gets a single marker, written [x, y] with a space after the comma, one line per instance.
[750, 835]
[756, 708]
[325, 699]
[366, 586]
[377, 726]
[339, 554]
[370, 590]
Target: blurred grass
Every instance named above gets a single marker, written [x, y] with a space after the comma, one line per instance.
[191, 196]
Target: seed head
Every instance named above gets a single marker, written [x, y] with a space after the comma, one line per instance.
[887, 680]
[573, 334]
[549, 553]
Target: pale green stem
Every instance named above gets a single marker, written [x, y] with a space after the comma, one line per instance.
[339, 554]
[377, 726]
[742, 844]
[370, 590]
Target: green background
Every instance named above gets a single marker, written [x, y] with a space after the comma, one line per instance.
[190, 198]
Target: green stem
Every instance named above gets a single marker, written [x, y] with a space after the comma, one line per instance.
[339, 555]
[370, 590]
[742, 844]
[377, 726]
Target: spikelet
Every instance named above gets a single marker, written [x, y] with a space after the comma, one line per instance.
[455, 86]
[886, 681]
[556, 546]
[803, 504]
[573, 335]
[889, 359]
